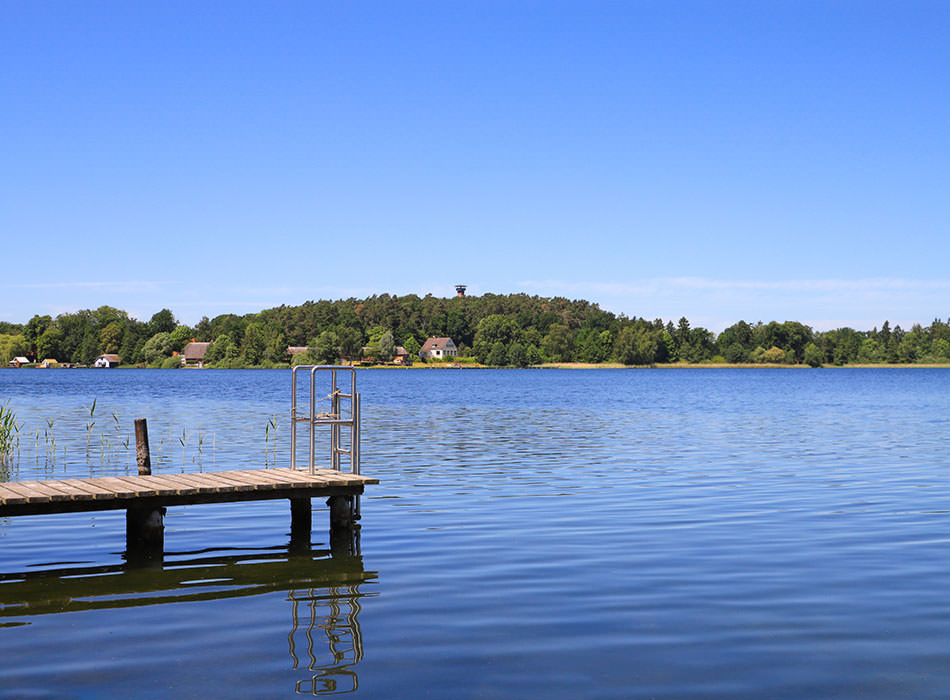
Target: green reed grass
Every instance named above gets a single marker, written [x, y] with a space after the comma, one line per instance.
[270, 430]
[90, 425]
[9, 436]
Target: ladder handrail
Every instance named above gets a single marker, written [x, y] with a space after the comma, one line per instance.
[334, 418]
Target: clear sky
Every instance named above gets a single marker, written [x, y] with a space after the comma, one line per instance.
[714, 160]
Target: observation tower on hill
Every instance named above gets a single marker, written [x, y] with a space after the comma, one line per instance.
[460, 289]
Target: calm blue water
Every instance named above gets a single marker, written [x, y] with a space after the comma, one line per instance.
[558, 534]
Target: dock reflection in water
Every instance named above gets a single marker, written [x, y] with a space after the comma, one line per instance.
[323, 592]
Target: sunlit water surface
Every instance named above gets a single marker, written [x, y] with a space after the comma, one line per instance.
[596, 534]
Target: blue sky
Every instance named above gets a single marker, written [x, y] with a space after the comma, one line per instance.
[718, 160]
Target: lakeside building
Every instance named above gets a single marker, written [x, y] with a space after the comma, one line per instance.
[402, 356]
[438, 349]
[194, 354]
[108, 360]
[369, 357]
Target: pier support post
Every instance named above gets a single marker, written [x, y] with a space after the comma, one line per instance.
[144, 525]
[301, 523]
[344, 530]
[342, 512]
[144, 533]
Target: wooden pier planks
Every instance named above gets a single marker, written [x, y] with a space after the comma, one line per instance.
[64, 495]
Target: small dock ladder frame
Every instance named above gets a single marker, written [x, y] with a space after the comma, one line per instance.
[343, 412]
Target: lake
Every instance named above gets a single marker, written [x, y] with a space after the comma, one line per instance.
[536, 533]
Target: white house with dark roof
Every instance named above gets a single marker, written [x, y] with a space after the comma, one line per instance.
[108, 360]
[438, 349]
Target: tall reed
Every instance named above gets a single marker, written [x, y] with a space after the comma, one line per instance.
[50, 439]
[270, 429]
[9, 436]
[120, 437]
[183, 439]
[90, 425]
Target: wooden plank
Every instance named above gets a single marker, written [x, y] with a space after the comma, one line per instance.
[80, 486]
[263, 475]
[300, 473]
[298, 479]
[119, 489]
[321, 476]
[326, 477]
[144, 489]
[42, 488]
[257, 477]
[217, 483]
[168, 484]
[317, 470]
[196, 481]
[260, 483]
[345, 476]
[68, 491]
[23, 492]
[62, 490]
[259, 473]
[186, 481]
[243, 484]
[10, 497]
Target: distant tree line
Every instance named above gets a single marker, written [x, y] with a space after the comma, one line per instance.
[515, 330]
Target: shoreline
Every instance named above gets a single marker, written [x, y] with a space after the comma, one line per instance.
[546, 365]
[730, 365]
[668, 365]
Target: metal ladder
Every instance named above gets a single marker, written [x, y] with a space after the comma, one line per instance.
[343, 411]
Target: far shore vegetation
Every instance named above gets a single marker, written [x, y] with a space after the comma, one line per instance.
[515, 330]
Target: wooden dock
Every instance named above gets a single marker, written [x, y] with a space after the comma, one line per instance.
[122, 492]
[144, 498]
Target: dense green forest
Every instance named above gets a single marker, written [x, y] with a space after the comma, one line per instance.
[498, 330]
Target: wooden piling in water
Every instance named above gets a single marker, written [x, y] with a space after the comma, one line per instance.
[144, 527]
[301, 522]
[342, 512]
[344, 530]
[144, 533]
[142, 454]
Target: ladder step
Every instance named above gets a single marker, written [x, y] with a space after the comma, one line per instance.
[321, 420]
